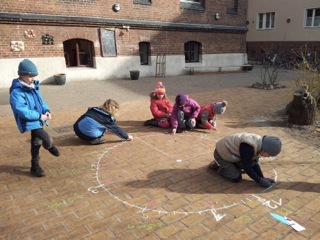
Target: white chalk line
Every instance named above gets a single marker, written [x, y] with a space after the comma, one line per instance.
[143, 210]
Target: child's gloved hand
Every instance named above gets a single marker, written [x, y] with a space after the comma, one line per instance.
[130, 138]
[265, 183]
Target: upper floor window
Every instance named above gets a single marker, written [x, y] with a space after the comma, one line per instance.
[313, 17]
[192, 4]
[266, 20]
[192, 51]
[144, 53]
[232, 8]
[78, 53]
[144, 2]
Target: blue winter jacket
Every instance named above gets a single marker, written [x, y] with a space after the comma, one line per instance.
[27, 105]
[95, 122]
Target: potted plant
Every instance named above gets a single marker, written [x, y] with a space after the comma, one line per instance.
[247, 67]
[134, 74]
[60, 78]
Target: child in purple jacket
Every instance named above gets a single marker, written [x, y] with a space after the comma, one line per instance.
[184, 113]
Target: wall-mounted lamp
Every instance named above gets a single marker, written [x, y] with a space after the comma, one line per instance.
[116, 7]
[217, 16]
[288, 20]
[126, 27]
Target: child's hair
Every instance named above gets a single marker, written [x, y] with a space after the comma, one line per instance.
[110, 106]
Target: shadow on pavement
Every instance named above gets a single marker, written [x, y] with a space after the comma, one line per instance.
[187, 181]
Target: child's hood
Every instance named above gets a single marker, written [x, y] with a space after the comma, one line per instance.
[181, 99]
[16, 84]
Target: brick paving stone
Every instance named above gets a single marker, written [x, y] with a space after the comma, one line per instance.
[244, 234]
[195, 232]
[170, 230]
[138, 189]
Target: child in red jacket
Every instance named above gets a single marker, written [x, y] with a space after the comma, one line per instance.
[208, 114]
[160, 107]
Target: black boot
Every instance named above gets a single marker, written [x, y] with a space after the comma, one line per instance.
[151, 122]
[36, 170]
[54, 151]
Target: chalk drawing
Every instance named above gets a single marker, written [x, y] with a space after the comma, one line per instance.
[147, 227]
[65, 202]
[109, 185]
[247, 217]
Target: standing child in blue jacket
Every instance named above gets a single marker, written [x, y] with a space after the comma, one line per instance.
[31, 112]
[92, 125]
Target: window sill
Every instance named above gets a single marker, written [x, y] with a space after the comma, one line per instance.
[311, 27]
[265, 29]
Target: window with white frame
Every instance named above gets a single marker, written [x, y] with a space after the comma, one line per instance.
[313, 17]
[266, 20]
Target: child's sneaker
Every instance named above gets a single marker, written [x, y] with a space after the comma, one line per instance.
[54, 151]
[214, 165]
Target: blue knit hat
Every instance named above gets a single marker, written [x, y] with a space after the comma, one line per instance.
[271, 145]
[26, 67]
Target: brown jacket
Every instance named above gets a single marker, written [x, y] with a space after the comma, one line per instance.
[228, 147]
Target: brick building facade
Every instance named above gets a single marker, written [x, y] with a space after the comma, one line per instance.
[94, 40]
[274, 29]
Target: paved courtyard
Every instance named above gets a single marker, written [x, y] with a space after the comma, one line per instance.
[157, 186]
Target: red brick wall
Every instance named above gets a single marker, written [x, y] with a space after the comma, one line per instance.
[159, 10]
[34, 47]
[168, 42]
[161, 41]
[172, 42]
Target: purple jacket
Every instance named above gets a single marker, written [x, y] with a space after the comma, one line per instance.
[191, 110]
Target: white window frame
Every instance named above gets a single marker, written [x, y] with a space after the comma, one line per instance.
[266, 20]
[313, 21]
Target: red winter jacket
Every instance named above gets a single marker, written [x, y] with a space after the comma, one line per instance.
[206, 114]
[159, 107]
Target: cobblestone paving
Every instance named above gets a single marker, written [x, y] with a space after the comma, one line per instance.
[157, 186]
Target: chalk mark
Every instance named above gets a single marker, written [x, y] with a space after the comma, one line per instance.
[143, 210]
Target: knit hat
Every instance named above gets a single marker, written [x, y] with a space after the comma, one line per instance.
[26, 67]
[220, 107]
[160, 89]
[181, 99]
[271, 145]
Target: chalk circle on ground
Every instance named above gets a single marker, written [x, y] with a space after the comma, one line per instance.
[143, 175]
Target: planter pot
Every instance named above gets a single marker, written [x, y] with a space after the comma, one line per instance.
[60, 78]
[134, 74]
[247, 67]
